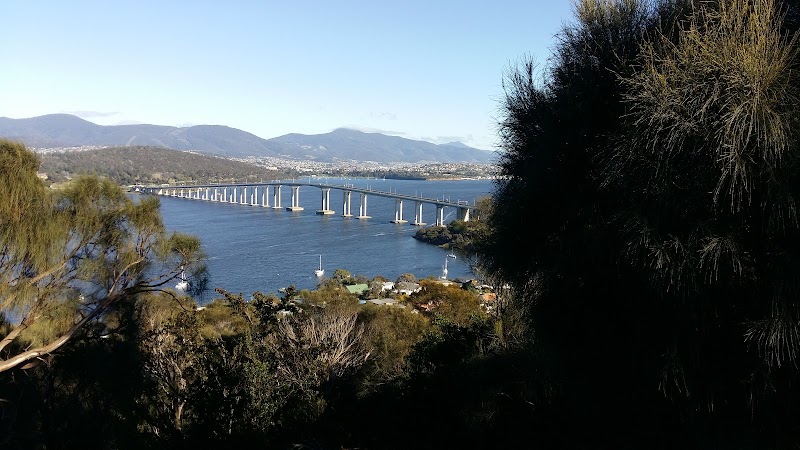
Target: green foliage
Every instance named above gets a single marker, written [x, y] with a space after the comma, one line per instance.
[69, 256]
[329, 294]
[391, 334]
[449, 302]
[341, 276]
[406, 277]
[448, 343]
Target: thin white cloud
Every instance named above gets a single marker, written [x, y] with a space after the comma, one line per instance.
[91, 114]
[383, 115]
[374, 130]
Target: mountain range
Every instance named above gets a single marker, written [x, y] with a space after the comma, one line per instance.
[65, 130]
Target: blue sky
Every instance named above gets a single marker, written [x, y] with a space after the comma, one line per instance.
[427, 70]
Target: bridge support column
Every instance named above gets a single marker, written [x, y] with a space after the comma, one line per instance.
[398, 212]
[265, 196]
[295, 200]
[362, 206]
[439, 215]
[346, 204]
[418, 214]
[463, 214]
[245, 200]
[225, 195]
[254, 197]
[276, 197]
[325, 208]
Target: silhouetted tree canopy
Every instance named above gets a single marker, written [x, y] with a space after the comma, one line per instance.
[647, 218]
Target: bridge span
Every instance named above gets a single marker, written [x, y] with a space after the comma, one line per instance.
[258, 194]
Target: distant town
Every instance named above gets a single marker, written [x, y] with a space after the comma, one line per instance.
[421, 170]
[343, 168]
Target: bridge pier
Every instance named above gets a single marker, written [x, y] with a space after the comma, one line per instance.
[362, 206]
[398, 211]
[418, 214]
[325, 208]
[463, 214]
[346, 204]
[276, 196]
[265, 196]
[439, 215]
[295, 200]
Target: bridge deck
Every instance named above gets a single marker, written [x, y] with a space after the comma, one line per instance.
[345, 187]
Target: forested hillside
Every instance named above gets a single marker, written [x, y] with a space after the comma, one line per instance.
[145, 165]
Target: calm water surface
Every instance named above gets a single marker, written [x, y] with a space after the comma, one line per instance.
[251, 248]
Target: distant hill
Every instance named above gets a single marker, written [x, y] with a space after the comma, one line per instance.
[149, 165]
[64, 130]
[346, 144]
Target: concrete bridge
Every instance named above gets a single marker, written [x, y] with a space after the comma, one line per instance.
[258, 194]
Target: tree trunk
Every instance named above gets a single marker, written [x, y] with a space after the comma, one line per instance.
[178, 413]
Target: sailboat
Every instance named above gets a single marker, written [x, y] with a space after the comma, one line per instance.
[184, 283]
[320, 272]
[444, 270]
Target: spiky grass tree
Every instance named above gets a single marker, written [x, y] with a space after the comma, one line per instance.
[711, 167]
[647, 219]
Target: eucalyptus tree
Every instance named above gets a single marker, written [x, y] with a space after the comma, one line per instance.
[69, 256]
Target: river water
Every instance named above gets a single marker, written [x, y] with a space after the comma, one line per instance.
[251, 248]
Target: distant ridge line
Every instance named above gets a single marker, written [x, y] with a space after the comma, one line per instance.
[65, 130]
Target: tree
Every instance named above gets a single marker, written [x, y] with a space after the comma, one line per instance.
[710, 220]
[173, 362]
[406, 277]
[341, 276]
[69, 256]
[453, 303]
[653, 167]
